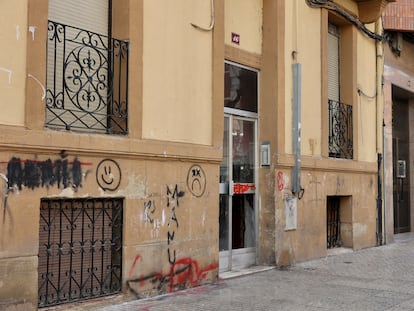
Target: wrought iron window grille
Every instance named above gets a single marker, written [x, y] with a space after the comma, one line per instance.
[80, 249]
[340, 130]
[333, 222]
[87, 81]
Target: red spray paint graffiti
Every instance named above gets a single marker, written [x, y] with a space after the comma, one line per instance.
[280, 181]
[183, 273]
[239, 188]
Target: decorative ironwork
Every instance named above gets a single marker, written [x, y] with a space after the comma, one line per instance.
[340, 130]
[80, 249]
[87, 81]
[333, 222]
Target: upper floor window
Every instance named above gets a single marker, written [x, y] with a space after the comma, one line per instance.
[240, 87]
[340, 114]
[87, 69]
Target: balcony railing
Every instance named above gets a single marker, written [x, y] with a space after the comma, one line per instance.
[87, 81]
[340, 130]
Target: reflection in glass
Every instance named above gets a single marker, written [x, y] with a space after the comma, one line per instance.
[224, 223]
[243, 151]
[240, 88]
[224, 166]
[243, 221]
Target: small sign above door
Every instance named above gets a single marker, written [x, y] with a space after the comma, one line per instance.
[235, 38]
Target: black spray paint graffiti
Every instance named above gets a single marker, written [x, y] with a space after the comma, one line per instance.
[34, 173]
[172, 203]
[108, 175]
[196, 180]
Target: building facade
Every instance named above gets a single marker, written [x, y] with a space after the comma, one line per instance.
[149, 146]
[398, 116]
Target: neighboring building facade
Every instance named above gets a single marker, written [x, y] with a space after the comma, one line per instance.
[148, 146]
[399, 116]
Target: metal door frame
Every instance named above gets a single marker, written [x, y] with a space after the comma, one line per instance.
[232, 113]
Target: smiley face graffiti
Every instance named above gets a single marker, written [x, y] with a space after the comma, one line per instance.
[108, 175]
[196, 180]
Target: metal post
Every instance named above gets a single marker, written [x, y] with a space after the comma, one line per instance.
[296, 125]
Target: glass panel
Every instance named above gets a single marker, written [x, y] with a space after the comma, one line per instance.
[224, 196]
[224, 166]
[224, 222]
[243, 221]
[240, 88]
[243, 151]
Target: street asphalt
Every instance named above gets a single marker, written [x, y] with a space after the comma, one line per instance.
[378, 278]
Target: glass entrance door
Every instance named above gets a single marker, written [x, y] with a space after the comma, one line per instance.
[237, 240]
[401, 163]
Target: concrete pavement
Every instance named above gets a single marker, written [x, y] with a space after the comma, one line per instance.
[379, 278]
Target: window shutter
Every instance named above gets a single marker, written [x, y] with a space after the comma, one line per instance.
[90, 15]
[333, 63]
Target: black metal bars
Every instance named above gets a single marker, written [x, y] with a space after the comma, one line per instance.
[340, 130]
[80, 249]
[87, 81]
[333, 222]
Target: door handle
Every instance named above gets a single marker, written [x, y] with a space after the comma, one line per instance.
[231, 188]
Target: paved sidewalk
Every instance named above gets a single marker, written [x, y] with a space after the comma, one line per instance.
[379, 278]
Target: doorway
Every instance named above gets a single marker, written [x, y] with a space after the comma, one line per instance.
[238, 170]
[401, 160]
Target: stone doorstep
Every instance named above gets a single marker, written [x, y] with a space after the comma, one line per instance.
[339, 250]
[245, 271]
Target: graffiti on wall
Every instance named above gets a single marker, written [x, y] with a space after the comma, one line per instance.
[150, 209]
[33, 174]
[185, 272]
[196, 180]
[173, 197]
[280, 181]
[108, 175]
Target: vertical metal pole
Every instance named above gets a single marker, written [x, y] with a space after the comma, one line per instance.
[379, 201]
[296, 125]
[48, 247]
[71, 274]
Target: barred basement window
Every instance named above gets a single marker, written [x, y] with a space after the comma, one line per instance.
[80, 249]
[333, 222]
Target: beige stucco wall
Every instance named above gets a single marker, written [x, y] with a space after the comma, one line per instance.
[303, 45]
[13, 30]
[368, 103]
[350, 5]
[177, 105]
[354, 181]
[177, 71]
[145, 231]
[308, 240]
[244, 17]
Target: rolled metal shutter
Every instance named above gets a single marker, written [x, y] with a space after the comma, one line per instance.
[333, 63]
[90, 15]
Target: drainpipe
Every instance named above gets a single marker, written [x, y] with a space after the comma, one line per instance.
[296, 128]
